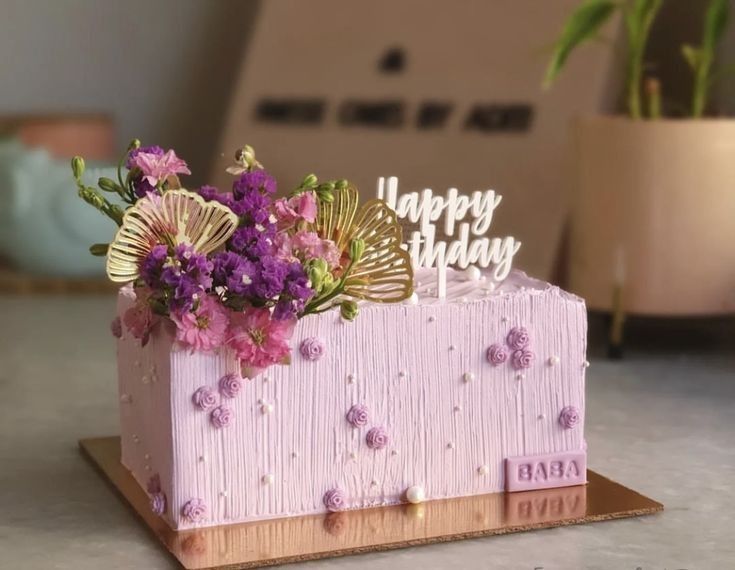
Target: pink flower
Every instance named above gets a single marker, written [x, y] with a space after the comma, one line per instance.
[311, 246]
[156, 168]
[139, 318]
[204, 328]
[194, 511]
[258, 340]
[292, 210]
[335, 500]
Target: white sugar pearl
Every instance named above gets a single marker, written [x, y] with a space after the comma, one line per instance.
[586, 364]
[483, 470]
[542, 416]
[223, 493]
[202, 458]
[266, 408]
[452, 347]
[374, 483]
[294, 454]
[458, 408]
[353, 455]
[520, 376]
[553, 360]
[468, 376]
[350, 378]
[432, 318]
[472, 273]
[402, 373]
[147, 456]
[147, 467]
[268, 479]
[415, 494]
[145, 379]
[412, 300]
[126, 398]
[450, 445]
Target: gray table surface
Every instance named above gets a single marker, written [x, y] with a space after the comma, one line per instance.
[662, 421]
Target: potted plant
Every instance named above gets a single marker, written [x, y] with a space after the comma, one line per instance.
[651, 220]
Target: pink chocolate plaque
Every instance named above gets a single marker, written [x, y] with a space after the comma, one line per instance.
[546, 471]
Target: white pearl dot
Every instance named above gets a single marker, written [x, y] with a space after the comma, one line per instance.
[350, 378]
[374, 483]
[457, 408]
[202, 458]
[353, 455]
[145, 379]
[294, 454]
[452, 347]
[450, 445]
[147, 456]
[268, 479]
[223, 493]
[483, 469]
[137, 363]
[542, 416]
[468, 376]
[472, 273]
[402, 373]
[553, 360]
[266, 408]
[413, 299]
[394, 452]
[432, 318]
[586, 364]
[126, 398]
[520, 376]
[147, 467]
[415, 494]
[504, 320]
[266, 378]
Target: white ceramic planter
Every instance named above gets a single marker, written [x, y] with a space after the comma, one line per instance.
[654, 209]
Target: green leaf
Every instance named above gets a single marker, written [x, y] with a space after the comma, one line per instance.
[99, 249]
[692, 55]
[715, 23]
[581, 26]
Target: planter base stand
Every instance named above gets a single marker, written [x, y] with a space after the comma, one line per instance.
[280, 541]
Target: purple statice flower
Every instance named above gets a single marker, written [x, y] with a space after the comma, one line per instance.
[253, 242]
[152, 266]
[211, 194]
[252, 206]
[234, 272]
[256, 180]
[296, 292]
[269, 278]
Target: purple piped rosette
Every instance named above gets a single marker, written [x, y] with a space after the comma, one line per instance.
[377, 438]
[517, 348]
[335, 500]
[204, 398]
[230, 385]
[158, 503]
[518, 338]
[194, 510]
[358, 415]
[570, 417]
[221, 417]
[497, 354]
[311, 348]
[522, 359]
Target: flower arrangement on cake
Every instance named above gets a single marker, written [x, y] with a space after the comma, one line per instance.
[237, 269]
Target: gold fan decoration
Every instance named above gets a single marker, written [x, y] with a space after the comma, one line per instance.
[178, 216]
[383, 273]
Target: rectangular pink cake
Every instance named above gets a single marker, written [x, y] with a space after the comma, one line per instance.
[478, 393]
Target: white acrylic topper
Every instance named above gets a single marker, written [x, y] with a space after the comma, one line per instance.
[424, 208]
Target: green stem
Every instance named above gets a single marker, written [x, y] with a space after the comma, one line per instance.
[312, 307]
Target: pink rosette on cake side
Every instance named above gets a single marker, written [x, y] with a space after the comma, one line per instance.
[522, 359]
[570, 417]
[221, 417]
[311, 348]
[518, 338]
[230, 385]
[497, 354]
[335, 500]
[204, 398]
[194, 511]
[158, 503]
[358, 416]
[377, 438]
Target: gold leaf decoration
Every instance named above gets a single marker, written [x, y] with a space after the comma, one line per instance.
[178, 216]
[384, 273]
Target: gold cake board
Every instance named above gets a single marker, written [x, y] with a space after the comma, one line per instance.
[278, 541]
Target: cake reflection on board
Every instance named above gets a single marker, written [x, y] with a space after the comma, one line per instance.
[294, 539]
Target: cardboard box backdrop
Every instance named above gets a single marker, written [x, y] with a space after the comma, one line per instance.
[440, 94]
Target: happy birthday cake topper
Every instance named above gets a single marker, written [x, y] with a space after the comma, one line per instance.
[466, 216]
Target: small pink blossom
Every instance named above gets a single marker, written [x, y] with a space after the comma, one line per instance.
[298, 208]
[204, 328]
[311, 246]
[258, 340]
[156, 168]
[139, 318]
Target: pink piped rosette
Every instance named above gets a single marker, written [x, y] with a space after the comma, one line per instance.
[517, 349]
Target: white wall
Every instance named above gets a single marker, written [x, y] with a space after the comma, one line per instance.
[163, 68]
